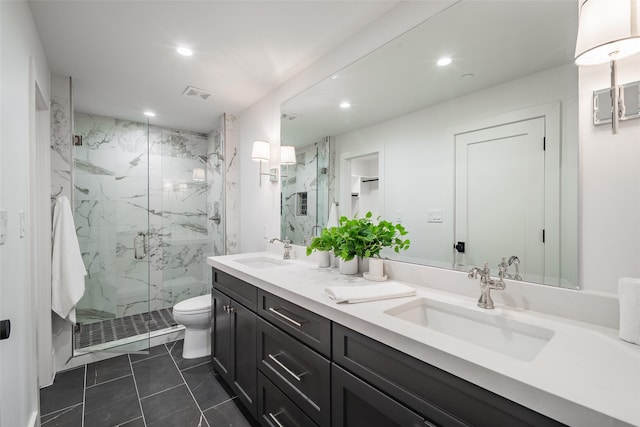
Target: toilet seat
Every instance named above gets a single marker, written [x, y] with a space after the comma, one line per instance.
[196, 305]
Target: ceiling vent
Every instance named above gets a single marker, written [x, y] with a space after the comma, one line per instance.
[289, 116]
[194, 92]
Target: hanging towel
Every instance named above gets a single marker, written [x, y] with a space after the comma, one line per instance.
[355, 294]
[629, 297]
[332, 221]
[67, 267]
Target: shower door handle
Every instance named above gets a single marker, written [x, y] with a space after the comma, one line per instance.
[136, 245]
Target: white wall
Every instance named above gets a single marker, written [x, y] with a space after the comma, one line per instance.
[609, 205]
[610, 174]
[260, 206]
[20, 47]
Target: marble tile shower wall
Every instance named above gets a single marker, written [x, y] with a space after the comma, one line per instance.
[61, 145]
[113, 174]
[310, 176]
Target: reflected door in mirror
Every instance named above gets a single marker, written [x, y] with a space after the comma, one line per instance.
[500, 196]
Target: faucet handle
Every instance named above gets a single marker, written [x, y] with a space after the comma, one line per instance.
[485, 268]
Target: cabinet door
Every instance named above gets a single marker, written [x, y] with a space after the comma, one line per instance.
[244, 364]
[221, 334]
[357, 404]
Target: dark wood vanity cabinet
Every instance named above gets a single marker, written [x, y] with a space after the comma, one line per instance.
[233, 345]
[275, 409]
[441, 398]
[357, 404]
[293, 368]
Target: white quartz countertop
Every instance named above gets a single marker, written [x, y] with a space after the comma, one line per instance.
[584, 375]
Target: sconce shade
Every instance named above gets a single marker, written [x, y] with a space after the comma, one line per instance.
[287, 155]
[607, 30]
[198, 175]
[261, 151]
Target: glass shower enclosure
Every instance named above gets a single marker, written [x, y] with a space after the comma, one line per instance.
[140, 207]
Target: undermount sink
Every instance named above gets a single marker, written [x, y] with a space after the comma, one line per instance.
[261, 262]
[506, 336]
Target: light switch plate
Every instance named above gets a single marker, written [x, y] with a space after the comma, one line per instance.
[3, 227]
[434, 215]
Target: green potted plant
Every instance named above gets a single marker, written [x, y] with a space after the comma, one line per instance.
[361, 237]
[323, 244]
[375, 236]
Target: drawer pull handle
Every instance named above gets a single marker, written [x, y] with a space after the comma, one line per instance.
[288, 371]
[275, 420]
[287, 318]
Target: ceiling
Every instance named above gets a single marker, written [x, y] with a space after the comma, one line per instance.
[489, 42]
[122, 54]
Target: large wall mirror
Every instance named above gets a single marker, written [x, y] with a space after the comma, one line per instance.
[477, 158]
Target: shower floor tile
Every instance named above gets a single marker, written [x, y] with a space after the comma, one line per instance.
[123, 327]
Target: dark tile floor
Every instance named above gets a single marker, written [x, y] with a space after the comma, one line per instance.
[133, 390]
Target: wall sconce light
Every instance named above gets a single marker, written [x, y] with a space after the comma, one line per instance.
[287, 155]
[608, 31]
[198, 175]
[261, 152]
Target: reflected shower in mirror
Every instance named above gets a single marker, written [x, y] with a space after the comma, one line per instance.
[305, 191]
[447, 172]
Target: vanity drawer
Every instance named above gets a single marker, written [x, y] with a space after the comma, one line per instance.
[439, 396]
[308, 327]
[300, 372]
[276, 410]
[241, 291]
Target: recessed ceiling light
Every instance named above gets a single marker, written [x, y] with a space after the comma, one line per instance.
[443, 61]
[466, 76]
[345, 104]
[184, 51]
[149, 114]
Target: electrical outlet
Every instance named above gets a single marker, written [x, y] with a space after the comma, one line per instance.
[434, 215]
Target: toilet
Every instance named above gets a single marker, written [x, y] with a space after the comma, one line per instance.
[195, 315]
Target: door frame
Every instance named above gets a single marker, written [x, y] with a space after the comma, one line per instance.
[553, 134]
[344, 177]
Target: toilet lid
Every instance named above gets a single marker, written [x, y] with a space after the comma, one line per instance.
[194, 305]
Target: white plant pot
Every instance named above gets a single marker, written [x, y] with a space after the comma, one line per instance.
[376, 267]
[349, 267]
[324, 259]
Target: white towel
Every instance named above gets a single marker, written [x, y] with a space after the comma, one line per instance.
[355, 294]
[332, 221]
[629, 297]
[67, 267]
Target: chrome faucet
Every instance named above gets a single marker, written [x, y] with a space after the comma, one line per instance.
[487, 283]
[504, 264]
[287, 247]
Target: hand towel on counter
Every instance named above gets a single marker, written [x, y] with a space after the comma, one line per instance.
[629, 297]
[356, 294]
[67, 267]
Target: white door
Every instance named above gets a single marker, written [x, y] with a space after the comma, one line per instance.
[500, 200]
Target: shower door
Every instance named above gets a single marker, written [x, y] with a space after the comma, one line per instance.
[112, 216]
